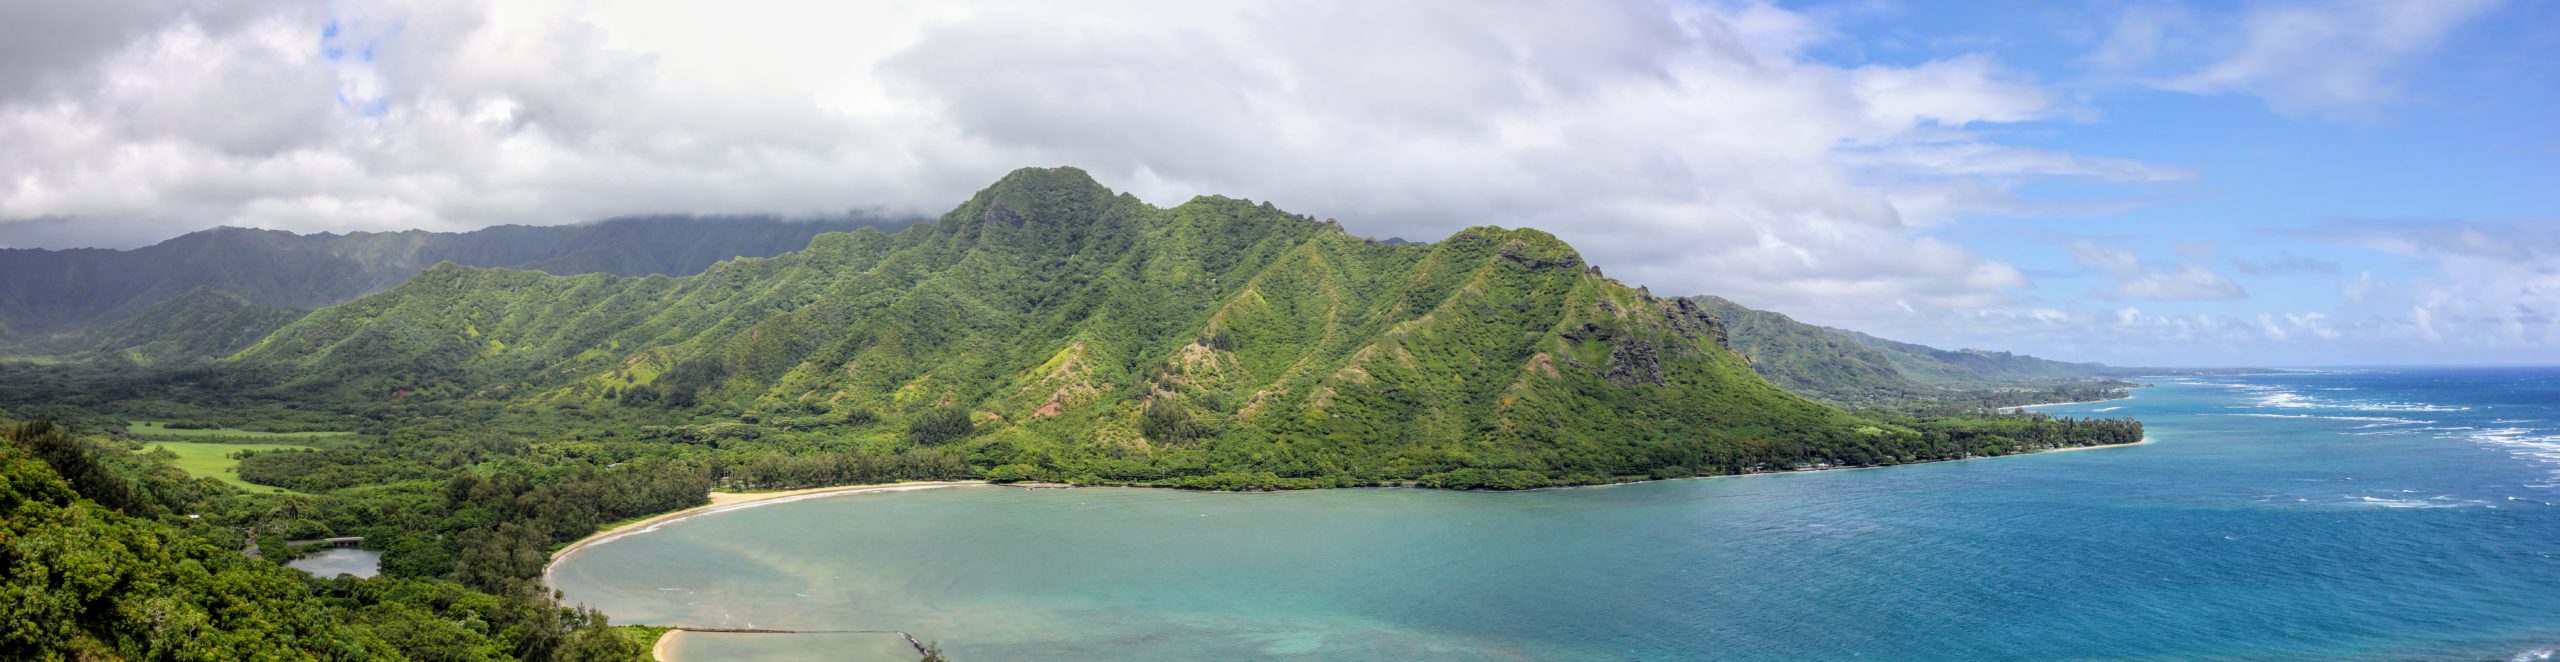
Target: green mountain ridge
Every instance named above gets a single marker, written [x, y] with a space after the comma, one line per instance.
[200, 323]
[52, 302]
[1851, 368]
[1083, 330]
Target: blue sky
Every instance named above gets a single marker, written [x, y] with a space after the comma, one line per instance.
[2456, 134]
[2159, 183]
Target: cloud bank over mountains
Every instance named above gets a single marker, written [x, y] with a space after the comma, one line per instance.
[1688, 147]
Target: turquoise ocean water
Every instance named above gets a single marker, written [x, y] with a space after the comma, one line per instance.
[2376, 514]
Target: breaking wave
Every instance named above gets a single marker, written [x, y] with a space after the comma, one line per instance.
[2372, 421]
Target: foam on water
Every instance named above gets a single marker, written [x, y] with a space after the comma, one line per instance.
[2536, 445]
[2378, 421]
[2280, 397]
[2408, 503]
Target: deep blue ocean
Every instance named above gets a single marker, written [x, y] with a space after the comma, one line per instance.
[2365, 514]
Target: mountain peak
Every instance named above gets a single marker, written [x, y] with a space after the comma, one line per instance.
[1030, 175]
[1040, 207]
[1032, 189]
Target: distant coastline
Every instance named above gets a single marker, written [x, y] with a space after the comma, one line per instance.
[2128, 395]
[2145, 441]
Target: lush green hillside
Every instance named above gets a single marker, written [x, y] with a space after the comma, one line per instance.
[200, 323]
[1855, 369]
[1977, 367]
[58, 302]
[1086, 332]
[87, 574]
[1805, 358]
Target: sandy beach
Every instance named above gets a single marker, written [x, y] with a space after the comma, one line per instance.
[666, 642]
[2020, 408]
[2128, 395]
[723, 501]
[2146, 439]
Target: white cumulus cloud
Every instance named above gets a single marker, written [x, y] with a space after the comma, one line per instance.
[2302, 58]
[2193, 282]
[2189, 282]
[1688, 147]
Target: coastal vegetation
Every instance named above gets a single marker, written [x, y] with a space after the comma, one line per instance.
[98, 567]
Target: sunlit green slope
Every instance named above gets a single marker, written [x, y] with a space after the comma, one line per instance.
[1849, 367]
[1218, 336]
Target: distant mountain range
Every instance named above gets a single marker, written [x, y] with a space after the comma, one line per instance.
[1851, 368]
[94, 301]
[213, 293]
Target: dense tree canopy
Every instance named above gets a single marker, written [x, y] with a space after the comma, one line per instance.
[85, 581]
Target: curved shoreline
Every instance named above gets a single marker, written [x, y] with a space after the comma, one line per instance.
[659, 651]
[727, 501]
[2146, 440]
[724, 501]
[2128, 395]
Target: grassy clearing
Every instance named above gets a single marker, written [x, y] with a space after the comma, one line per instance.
[156, 429]
[213, 460]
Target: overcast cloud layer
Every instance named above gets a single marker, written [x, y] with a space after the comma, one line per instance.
[1692, 149]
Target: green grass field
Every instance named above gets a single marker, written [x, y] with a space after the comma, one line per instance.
[213, 459]
[155, 429]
